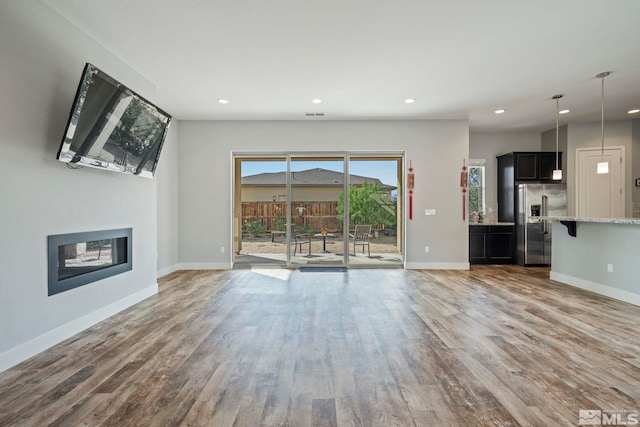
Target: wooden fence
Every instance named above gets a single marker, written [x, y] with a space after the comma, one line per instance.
[312, 215]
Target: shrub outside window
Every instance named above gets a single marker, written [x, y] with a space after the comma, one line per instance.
[476, 189]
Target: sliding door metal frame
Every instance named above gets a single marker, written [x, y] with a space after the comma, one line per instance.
[287, 184]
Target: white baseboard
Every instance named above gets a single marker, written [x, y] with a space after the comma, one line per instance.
[229, 266]
[38, 344]
[168, 270]
[194, 266]
[204, 266]
[437, 265]
[598, 288]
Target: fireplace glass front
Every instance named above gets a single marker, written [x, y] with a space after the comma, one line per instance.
[80, 258]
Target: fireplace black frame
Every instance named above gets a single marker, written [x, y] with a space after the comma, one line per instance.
[56, 285]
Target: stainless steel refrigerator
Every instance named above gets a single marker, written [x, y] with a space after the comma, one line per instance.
[533, 235]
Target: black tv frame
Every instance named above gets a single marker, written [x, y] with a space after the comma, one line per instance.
[66, 155]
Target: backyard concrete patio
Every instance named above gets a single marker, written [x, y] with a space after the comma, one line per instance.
[261, 250]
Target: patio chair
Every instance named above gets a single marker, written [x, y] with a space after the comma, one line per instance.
[300, 239]
[103, 244]
[360, 237]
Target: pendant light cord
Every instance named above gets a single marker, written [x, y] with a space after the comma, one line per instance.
[557, 98]
[557, 127]
[602, 118]
[603, 165]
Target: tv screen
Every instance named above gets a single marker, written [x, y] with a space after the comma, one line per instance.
[111, 127]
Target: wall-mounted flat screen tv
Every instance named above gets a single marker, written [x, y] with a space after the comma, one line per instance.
[111, 127]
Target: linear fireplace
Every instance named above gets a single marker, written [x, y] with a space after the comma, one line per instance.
[77, 259]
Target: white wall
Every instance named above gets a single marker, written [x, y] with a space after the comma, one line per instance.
[548, 139]
[437, 150]
[42, 60]
[589, 135]
[490, 145]
[168, 201]
[582, 260]
[635, 168]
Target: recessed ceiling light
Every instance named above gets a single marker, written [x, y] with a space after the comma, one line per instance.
[223, 101]
[564, 111]
[316, 101]
[410, 100]
[634, 111]
[500, 111]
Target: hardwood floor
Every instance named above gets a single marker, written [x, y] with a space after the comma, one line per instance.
[491, 346]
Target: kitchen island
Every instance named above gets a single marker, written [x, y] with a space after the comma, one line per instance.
[601, 255]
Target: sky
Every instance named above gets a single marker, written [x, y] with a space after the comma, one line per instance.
[384, 170]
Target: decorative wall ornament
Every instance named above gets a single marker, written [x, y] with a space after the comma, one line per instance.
[464, 181]
[410, 184]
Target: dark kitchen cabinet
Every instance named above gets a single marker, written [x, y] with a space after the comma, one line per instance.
[491, 244]
[526, 166]
[547, 164]
[478, 244]
[522, 167]
[532, 166]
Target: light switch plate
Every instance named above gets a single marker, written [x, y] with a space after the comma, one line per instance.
[429, 212]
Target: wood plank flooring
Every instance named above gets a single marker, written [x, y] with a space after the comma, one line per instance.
[501, 346]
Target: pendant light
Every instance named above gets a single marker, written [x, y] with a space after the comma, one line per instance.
[557, 172]
[603, 166]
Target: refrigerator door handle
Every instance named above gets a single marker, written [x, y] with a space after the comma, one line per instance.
[545, 205]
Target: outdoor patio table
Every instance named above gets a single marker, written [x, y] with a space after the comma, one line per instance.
[324, 240]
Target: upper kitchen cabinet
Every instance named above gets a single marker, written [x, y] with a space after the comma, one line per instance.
[522, 167]
[531, 166]
[546, 165]
[526, 166]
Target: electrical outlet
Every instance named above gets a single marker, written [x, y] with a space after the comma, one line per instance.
[426, 249]
[429, 212]
[221, 249]
[610, 268]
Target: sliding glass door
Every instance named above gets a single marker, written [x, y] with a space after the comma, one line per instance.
[260, 211]
[317, 192]
[375, 213]
[318, 210]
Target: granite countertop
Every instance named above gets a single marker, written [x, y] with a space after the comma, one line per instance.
[601, 220]
[492, 223]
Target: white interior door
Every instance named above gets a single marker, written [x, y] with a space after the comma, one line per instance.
[600, 195]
